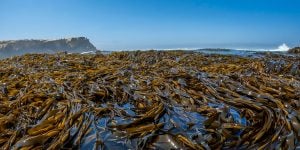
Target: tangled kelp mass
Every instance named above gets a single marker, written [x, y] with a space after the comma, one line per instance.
[149, 100]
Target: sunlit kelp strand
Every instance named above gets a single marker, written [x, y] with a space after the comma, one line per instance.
[149, 100]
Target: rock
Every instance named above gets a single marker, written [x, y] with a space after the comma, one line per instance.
[19, 47]
[295, 50]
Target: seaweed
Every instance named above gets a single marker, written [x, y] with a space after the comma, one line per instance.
[149, 100]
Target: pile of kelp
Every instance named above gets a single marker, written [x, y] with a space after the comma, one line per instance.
[149, 100]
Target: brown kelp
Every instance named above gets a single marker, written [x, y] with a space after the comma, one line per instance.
[149, 100]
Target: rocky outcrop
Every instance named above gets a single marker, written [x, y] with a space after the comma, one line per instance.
[295, 50]
[18, 47]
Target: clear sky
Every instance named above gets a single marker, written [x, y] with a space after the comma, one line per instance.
[141, 24]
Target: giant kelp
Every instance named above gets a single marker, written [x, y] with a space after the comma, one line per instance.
[149, 100]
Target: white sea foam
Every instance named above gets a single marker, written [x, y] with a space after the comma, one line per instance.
[88, 52]
[282, 47]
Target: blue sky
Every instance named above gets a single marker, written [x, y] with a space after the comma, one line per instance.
[141, 24]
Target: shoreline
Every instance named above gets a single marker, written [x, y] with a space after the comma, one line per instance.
[233, 52]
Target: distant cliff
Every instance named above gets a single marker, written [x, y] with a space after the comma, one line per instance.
[18, 47]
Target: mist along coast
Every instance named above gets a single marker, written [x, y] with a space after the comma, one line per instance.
[150, 100]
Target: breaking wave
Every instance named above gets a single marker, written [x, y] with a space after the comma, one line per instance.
[282, 47]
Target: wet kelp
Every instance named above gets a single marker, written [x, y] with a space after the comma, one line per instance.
[149, 100]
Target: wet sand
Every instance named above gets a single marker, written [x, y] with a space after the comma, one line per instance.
[150, 100]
